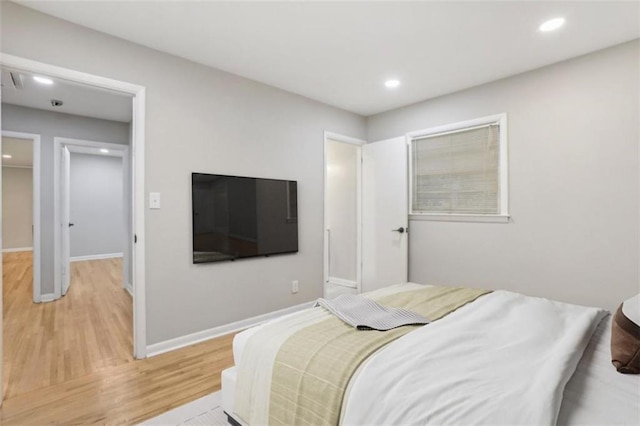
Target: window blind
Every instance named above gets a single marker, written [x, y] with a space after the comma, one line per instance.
[457, 172]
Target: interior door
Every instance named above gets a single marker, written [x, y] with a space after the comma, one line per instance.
[66, 221]
[385, 214]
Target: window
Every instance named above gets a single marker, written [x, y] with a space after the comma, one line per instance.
[459, 171]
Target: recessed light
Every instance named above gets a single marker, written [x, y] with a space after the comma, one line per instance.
[43, 80]
[551, 25]
[392, 84]
[104, 151]
[6, 156]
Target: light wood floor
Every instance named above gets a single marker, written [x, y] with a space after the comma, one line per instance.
[72, 363]
[87, 330]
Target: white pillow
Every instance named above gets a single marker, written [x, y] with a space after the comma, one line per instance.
[631, 308]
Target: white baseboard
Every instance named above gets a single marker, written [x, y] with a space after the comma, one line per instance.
[17, 249]
[342, 282]
[129, 288]
[49, 297]
[94, 257]
[201, 336]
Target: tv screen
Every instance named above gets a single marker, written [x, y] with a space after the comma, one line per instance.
[237, 217]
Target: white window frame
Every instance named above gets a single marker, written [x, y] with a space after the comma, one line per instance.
[503, 216]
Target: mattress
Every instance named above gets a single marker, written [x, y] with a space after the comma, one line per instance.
[240, 342]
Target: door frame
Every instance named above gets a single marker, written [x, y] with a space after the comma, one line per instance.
[327, 233]
[35, 140]
[80, 146]
[137, 147]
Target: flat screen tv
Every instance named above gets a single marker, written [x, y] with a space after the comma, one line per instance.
[237, 217]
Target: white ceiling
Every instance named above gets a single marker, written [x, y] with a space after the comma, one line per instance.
[78, 99]
[21, 151]
[340, 53]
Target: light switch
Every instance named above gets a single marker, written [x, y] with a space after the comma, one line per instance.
[154, 200]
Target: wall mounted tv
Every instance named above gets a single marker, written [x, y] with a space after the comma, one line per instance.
[238, 217]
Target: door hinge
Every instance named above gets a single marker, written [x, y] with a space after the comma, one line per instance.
[135, 238]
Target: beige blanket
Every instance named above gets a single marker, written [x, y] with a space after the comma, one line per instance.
[314, 365]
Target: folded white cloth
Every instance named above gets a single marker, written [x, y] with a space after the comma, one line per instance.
[365, 314]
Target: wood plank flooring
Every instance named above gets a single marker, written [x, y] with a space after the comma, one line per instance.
[85, 331]
[69, 361]
[129, 393]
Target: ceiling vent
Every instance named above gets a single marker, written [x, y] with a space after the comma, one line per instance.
[17, 79]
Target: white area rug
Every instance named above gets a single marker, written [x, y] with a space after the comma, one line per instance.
[203, 411]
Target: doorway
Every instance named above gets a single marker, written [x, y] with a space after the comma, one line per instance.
[21, 202]
[342, 215]
[93, 207]
[137, 244]
[365, 215]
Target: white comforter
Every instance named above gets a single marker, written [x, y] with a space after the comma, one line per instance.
[503, 359]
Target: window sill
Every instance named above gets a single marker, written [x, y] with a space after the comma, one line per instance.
[484, 218]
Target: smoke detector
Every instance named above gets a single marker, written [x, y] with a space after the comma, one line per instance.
[56, 103]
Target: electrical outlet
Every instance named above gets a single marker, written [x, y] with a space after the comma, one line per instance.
[294, 286]
[154, 200]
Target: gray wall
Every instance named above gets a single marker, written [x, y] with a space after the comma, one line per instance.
[96, 201]
[573, 151]
[205, 120]
[17, 207]
[49, 125]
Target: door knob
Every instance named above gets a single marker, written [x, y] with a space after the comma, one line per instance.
[399, 230]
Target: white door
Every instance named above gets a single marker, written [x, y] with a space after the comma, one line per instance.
[66, 221]
[385, 214]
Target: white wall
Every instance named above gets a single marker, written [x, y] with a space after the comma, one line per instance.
[49, 125]
[203, 120]
[17, 207]
[96, 205]
[573, 151]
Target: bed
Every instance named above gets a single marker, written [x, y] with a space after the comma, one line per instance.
[488, 358]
